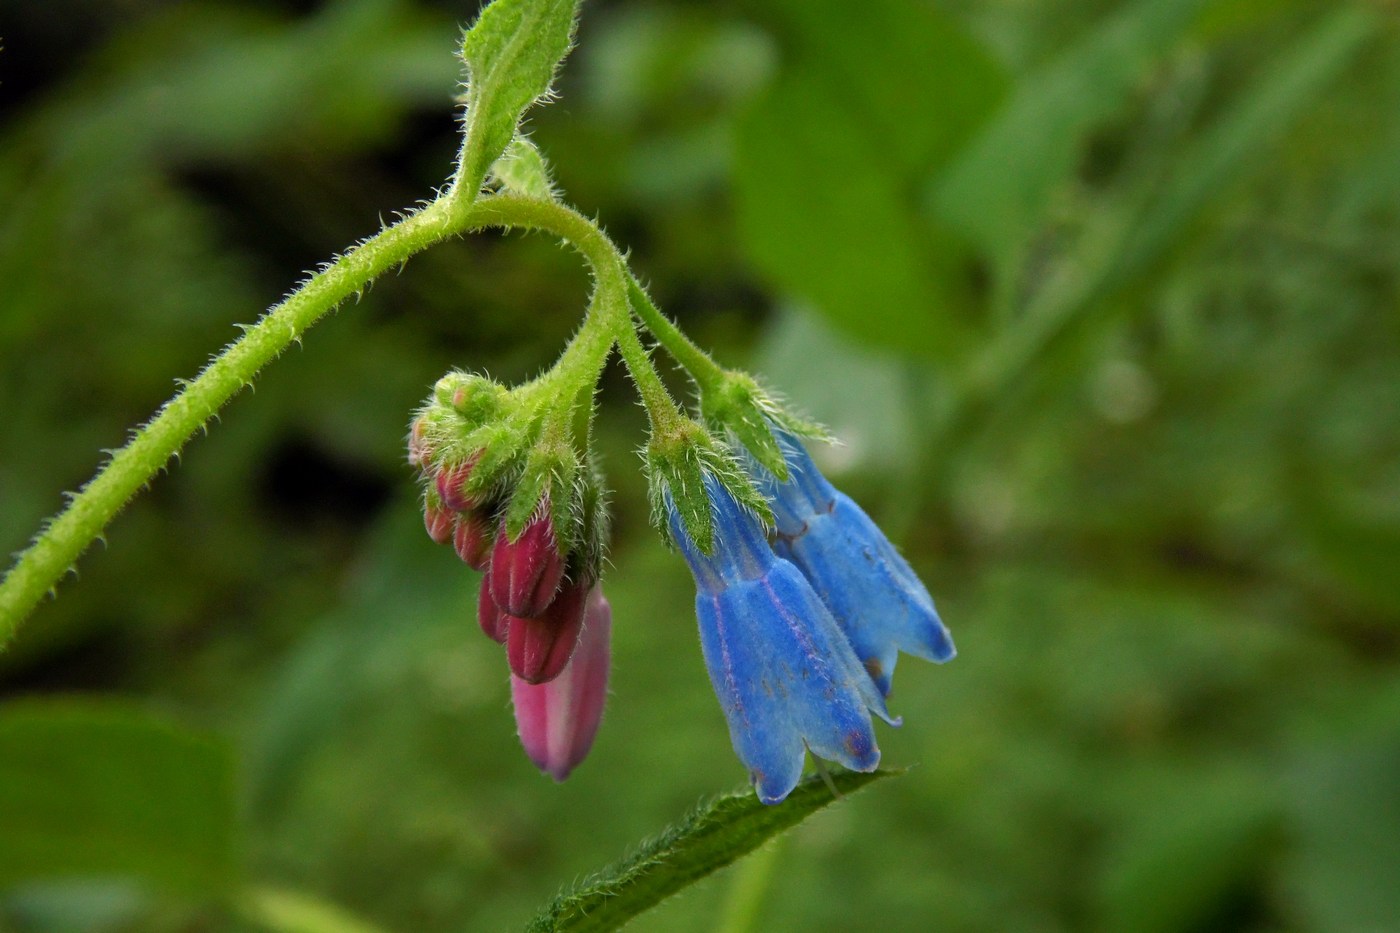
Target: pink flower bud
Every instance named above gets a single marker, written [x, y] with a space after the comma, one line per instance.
[451, 483]
[558, 720]
[471, 536]
[419, 453]
[526, 572]
[489, 616]
[539, 647]
[438, 522]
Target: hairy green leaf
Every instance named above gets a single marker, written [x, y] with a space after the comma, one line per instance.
[511, 54]
[102, 790]
[522, 168]
[709, 838]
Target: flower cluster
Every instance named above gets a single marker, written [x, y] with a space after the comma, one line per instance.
[492, 486]
[803, 604]
[800, 629]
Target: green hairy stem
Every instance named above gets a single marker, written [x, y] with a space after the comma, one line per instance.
[52, 553]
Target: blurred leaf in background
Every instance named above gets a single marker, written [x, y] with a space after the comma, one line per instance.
[160, 806]
[1101, 296]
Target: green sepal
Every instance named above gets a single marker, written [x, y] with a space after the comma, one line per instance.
[454, 414]
[547, 480]
[431, 498]
[739, 407]
[593, 520]
[511, 53]
[677, 462]
[477, 399]
[522, 169]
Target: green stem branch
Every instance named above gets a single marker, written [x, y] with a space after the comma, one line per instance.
[662, 410]
[705, 371]
[53, 552]
[612, 281]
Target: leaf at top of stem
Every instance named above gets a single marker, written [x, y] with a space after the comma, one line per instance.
[511, 53]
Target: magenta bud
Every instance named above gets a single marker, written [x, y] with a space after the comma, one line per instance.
[471, 536]
[419, 453]
[451, 485]
[438, 522]
[489, 616]
[526, 572]
[538, 648]
[557, 721]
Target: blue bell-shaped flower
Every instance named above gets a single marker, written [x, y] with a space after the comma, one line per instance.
[871, 590]
[784, 673]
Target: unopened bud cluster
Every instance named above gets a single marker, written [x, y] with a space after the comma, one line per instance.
[504, 484]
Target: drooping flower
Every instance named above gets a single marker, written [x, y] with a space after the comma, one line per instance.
[869, 588]
[558, 720]
[526, 572]
[538, 647]
[786, 677]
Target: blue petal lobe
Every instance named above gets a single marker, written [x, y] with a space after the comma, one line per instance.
[875, 596]
[751, 695]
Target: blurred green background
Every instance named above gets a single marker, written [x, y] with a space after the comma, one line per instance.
[1101, 297]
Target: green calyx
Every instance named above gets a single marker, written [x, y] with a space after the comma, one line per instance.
[736, 405]
[546, 483]
[677, 461]
[477, 399]
[592, 520]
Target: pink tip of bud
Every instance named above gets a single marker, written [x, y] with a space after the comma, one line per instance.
[451, 485]
[526, 572]
[471, 536]
[438, 522]
[489, 616]
[557, 721]
[419, 453]
[538, 648]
